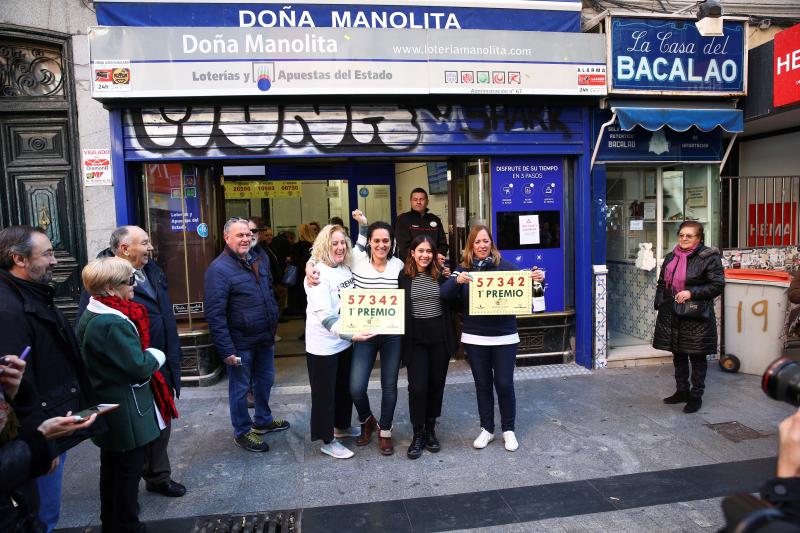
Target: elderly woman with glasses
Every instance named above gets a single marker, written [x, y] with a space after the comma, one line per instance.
[692, 272]
[114, 333]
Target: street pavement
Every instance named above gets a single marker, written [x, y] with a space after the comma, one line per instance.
[586, 437]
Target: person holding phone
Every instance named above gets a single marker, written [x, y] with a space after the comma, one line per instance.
[114, 337]
[490, 341]
[329, 352]
[428, 343]
[27, 448]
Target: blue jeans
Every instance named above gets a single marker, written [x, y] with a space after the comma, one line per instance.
[493, 367]
[364, 354]
[258, 366]
[49, 487]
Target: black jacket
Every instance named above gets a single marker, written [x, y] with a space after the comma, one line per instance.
[411, 224]
[163, 328]
[705, 279]
[448, 322]
[22, 460]
[29, 317]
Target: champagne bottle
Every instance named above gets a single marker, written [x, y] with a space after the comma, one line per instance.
[538, 297]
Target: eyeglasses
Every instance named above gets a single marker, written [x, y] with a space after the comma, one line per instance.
[686, 235]
[131, 281]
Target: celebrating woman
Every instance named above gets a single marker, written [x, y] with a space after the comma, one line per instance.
[329, 352]
[691, 272]
[428, 343]
[490, 341]
[114, 334]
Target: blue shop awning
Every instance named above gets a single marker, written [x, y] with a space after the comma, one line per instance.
[679, 119]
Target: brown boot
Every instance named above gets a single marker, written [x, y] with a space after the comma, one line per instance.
[385, 442]
[366, 431]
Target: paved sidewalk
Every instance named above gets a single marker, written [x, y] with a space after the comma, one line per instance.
[573, 425]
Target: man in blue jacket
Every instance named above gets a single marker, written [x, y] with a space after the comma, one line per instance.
[242, 316]
[132, 243]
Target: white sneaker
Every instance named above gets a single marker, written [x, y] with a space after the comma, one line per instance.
[336, 450]
[483, 439]
[352, 431]
[511, 441]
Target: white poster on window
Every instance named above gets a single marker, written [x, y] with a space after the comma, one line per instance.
[529, 229]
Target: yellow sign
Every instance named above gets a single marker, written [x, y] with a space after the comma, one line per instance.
[373, 311]
[263, 189]
[500, 293]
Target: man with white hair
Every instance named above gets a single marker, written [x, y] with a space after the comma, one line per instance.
[132, 243]
[242, 316]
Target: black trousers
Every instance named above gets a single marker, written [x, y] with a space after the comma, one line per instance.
[120, 473]
[427, 371]
[699, 365]
[157, 469]
[331, 404]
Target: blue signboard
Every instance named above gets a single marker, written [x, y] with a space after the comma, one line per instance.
[664, 144]
[557, 15]
[527, 210]
[670, 55]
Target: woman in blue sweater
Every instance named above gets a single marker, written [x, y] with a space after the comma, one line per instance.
[490, 341]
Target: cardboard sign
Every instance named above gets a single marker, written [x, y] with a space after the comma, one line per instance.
[373, 311]
[500, 293]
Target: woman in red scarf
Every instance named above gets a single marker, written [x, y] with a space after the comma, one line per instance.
[123, 368]
[691, 272]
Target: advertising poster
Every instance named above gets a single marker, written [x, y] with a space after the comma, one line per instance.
[380, 311]
[96, 165]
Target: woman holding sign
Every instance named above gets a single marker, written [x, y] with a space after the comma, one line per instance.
[328, 352]
[490, 341]
[428, 343]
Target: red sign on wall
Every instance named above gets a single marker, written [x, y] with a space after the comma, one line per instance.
[786, 67]
[768, 226]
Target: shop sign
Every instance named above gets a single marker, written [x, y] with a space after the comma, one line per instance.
[669, 56]
[263, 189]
[772, 224]
[187, 308]
[96, 165]
[558, 15]
[194, 62]
[664, 144]
[786, 73]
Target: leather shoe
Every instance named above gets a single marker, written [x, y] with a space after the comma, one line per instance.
[681, 396]
[693, 405]
[417, 445]
[385, 442]
[366, 431]
[170, 488]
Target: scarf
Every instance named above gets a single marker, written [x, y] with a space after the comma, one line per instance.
[137, 314]
[675, 273]
[480, 264]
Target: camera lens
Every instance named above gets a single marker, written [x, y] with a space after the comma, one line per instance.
[781, 381]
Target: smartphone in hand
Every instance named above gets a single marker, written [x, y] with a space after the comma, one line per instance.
[99, 409]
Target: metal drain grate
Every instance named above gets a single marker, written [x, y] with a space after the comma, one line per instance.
[736, 432]
[275, 522]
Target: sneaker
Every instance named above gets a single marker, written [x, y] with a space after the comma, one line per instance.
[347, 432]
[336, 450]
[276, 425]
[252, 442]
[511, 441]
[483, 439]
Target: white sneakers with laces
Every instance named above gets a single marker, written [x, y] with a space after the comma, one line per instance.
[336, 450]
[511, 441]
[483, 439]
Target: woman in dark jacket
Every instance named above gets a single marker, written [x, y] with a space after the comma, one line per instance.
[27, 450]
[692, 271]
[428, 343]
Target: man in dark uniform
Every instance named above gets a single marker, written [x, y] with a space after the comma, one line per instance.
[133, 244]
[419, 221]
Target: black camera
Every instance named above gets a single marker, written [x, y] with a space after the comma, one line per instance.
[745, 513]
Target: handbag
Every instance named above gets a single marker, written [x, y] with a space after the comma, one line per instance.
[289, 277]
[691, 309]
